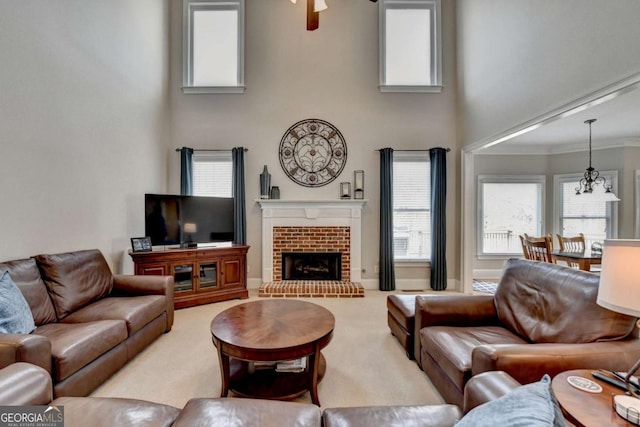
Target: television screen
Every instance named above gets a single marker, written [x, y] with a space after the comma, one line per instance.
[187, 220]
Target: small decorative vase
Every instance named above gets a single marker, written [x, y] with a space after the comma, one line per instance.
[275, 192]
[265, 183]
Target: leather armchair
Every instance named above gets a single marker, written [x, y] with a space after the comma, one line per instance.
[543, 319]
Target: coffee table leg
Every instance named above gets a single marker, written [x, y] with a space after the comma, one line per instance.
[224, 372]
[314, 362]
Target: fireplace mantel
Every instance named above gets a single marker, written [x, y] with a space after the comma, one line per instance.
[311, 213]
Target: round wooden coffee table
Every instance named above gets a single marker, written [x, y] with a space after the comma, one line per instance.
[248, 336]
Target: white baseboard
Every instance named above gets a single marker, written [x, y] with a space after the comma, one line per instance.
[487, 274]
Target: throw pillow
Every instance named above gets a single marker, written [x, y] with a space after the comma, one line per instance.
[15, 314]
[528, 405]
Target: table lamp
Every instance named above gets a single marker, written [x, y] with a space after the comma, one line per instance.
[619, 291]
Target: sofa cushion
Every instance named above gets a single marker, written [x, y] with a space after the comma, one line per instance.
[15, 314]
[392, 416]
[26, 275]
[113, 411]
[74, 345]
[136, 311]
[543, 302]
[528, 405]
[451, 347]
[75, 279]
[247, 412]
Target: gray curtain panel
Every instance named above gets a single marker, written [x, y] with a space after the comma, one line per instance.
[239, 205]
[438, 159]
[387, 275]
[186, 171]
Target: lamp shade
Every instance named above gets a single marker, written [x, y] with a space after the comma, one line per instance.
[619, 288]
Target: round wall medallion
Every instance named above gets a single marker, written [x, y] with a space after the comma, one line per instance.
[313, 152]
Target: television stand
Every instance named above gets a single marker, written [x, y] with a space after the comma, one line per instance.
[201, 275]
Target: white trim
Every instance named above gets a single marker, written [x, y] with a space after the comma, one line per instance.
[410, 89]
[436, 45]
[637, 204]
[506, 179]
[578, 147]
[487, 274]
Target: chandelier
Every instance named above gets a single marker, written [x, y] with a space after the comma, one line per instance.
[314, 7]
[592, 178]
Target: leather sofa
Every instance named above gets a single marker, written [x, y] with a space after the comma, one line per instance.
[89, 322]
[542, 319]
[27, 384]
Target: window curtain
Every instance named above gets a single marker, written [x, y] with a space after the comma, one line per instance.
[438, 159]
[387, 276]
[186, 171]
[239, 205]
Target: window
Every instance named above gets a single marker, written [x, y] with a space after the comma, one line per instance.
[410, 53]
[212, 173]
[213, 43]
[508, 207]
[411, 206]
[584, 213]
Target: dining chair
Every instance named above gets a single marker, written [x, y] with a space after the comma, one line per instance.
[571, 244]
[537, 248]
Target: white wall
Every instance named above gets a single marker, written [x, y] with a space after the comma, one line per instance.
[331, 74]
[82, 123]
[520, 59]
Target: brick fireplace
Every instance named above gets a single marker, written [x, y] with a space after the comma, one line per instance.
[310, 240]
[311, 226]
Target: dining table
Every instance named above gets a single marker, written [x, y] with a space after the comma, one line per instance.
[585, 259]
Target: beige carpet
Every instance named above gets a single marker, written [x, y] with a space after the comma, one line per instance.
[365, 363]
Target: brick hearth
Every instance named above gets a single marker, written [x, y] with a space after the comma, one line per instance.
[311, 289]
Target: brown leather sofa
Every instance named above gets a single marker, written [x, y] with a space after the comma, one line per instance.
[27, 384]
[542, 319]
[89, 323]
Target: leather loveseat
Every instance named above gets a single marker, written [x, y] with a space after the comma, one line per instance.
[26, 384]
[89, 322]
[542, 319]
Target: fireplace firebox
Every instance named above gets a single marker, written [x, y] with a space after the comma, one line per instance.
[311, 266]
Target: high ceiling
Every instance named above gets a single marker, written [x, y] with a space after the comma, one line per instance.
[618, 123]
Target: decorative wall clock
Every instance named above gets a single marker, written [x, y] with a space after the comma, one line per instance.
[313, 152]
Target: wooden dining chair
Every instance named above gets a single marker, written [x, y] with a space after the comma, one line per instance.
[572, 244]
[537, 248]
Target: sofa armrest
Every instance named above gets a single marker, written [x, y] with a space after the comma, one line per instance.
[452, 310]
[486, 387]
[527, 363]
[129, 285]
[31, 348]
[25, 384]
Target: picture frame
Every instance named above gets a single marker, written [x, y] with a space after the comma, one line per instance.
[141, 244]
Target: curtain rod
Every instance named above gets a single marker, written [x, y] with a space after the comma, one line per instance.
[210, 149]
[428, 149]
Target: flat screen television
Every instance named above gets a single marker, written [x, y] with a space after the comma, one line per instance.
[188, 220]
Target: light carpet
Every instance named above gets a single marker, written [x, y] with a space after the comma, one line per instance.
[365, 363]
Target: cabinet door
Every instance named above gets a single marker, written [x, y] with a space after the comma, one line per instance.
[183, 276]
[208, 275]
[232, 271]
[152, 269]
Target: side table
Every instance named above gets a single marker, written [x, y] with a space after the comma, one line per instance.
[583, 408]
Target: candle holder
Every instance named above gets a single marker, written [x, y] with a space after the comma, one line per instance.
[345, 190]
[358, 184]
